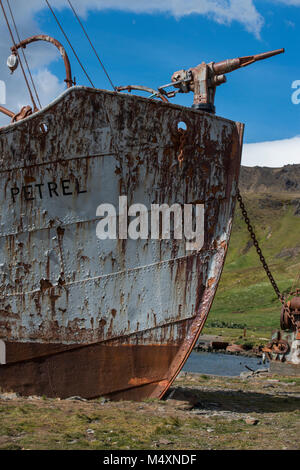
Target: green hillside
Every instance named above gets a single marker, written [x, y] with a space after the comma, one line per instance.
[245, 297]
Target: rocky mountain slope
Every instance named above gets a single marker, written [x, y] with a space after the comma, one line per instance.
[271, 180]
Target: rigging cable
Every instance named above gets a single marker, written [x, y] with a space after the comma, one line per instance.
[74, 52]
[14, 43]
[24, 56]
[92, 46]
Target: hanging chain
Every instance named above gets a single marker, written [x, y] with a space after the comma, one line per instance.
[183, 137]
[258, 249]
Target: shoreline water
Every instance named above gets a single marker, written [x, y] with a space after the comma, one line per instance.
[245, 353]
[221, 364]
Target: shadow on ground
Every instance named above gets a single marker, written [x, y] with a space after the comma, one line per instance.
[237, 401]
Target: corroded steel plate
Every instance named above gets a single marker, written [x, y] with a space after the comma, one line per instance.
[132, 307]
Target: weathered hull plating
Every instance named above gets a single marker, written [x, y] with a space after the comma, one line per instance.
[80, 316]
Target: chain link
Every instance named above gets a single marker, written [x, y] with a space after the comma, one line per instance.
[290, 315]
[258, 249]
[183, 137]
[287, 309]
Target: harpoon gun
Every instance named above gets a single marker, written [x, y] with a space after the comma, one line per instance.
[205, 78]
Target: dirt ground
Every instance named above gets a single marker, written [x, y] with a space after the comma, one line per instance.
[201, 412]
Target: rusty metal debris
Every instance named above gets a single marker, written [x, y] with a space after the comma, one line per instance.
[290, 314]
[279, 348]
[285, 344]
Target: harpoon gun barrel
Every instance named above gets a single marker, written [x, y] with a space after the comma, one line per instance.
[227, 66]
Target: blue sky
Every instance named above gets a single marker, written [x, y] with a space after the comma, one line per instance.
[146, 48]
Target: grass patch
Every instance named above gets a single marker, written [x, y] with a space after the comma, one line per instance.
[59, 424]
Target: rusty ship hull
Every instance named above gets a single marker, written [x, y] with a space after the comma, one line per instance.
[118, 318]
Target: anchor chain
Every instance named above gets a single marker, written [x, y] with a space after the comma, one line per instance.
[258, 249]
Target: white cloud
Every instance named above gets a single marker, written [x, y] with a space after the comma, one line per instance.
[48, 85]
[222, 11]
[273, 154]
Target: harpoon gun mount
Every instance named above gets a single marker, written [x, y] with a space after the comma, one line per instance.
[205, 78]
